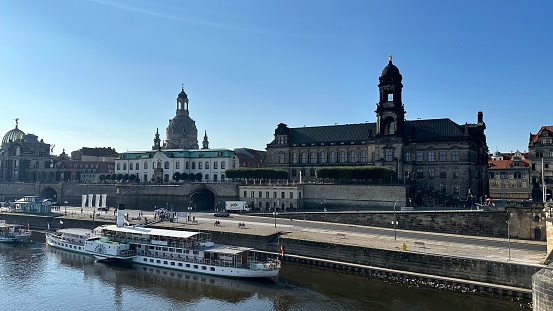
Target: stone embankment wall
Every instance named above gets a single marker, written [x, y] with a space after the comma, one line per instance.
[480, 223]
[353, 196]
[542, 290]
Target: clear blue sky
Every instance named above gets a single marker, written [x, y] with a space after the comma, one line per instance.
[106, 73]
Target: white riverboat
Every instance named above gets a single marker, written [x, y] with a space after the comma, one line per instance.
[178, 250]
[70, 239]
[12, 233]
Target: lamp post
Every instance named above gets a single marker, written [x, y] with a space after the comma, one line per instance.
[275, 212]
[395, 221]
[509, 237]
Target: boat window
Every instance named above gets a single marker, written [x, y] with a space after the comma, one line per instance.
[204, 268]
[212, 269]
[158, 261]
[179, 250]
[172, 263]
[151, 260]
[188, 265]
[195, 266]
[180, 264]
[164, 249]
[145, 259]
[165, 262]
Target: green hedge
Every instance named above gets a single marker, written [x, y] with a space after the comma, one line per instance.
[374, 173]
[256, 173]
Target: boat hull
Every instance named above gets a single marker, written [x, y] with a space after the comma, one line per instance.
[196, 267]
[53, 241]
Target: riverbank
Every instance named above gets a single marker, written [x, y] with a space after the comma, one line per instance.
[456, 264]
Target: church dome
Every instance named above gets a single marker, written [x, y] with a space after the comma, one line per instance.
[391, 69]
[13, 135]
[182, 94]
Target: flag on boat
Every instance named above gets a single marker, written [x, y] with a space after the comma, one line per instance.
[282, 250]
[61, 222]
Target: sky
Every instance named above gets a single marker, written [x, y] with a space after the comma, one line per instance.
[106, 73]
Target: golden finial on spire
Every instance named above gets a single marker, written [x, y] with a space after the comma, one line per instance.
[390, 58]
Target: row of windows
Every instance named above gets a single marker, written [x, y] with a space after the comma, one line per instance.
[432, 173]
[133, 166]
[433, 156]
[205, 177]
[504, 175]
[540, 154]
[455, 189]
[324, 157]
[268, 193]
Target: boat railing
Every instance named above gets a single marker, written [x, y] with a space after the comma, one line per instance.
[186, 259]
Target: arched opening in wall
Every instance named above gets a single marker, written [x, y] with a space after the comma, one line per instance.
[389, 126]
[49, 193]
[202, 200]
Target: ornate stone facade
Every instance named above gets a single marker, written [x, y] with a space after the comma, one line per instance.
[540, 149]
[24, 158]
[181, 132]
[439, 159]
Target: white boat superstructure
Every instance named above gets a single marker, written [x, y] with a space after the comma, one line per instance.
[71, 239]
[179, 250]
[12, 233]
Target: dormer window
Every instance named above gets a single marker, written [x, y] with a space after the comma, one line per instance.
[391, 97]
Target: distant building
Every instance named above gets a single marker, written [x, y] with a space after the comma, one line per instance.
[24, 158]
[250, 158]
[269, 197]
[443, 162]
[179, 154]
[540, 149]
[509, 175]
[94, 154]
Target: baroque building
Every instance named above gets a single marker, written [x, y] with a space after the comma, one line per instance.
[24, 158]
[540, 149]
[181, 132]
[509, 176]
[441, 161]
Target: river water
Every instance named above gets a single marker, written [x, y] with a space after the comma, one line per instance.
[38, 277]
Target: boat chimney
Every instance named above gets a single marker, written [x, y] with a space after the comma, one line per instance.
[121, 215]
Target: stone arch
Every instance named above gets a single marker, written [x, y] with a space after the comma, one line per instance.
[202, 199]
[49, 193]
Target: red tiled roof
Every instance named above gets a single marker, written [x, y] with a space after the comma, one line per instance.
[534, 137]
[503, 164]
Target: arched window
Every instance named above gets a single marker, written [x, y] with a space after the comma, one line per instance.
[389, 126]
[131, 166]
[313, 157]
[342, 157]
[322, 157]
[200, 165]
[353, 156]
[215, 166]
[332, 157]
[145, 177]
[167, 165]
[363, 156]
[222, 165]
[295, 157]
[193, 165]
[281, 158]
[187, 165]
[206, 165]
[206, 177]
[215, 176]
[304, 157]
[124, 166]
[118, 166]
[222, 177]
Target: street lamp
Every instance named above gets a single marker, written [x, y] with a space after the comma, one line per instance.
[509, 237]
[395, 221]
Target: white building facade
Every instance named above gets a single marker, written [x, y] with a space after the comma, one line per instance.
[161, 165]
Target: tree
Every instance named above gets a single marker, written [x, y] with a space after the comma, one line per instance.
[133, 177]
[176, 176]
[199, 176]
[102, 177]
[114, 177]
[191, 177]
[184, 176]
[119, 176]
[125, 176]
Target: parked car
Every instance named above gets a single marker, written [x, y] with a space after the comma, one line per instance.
[104, 209]
[221, 214]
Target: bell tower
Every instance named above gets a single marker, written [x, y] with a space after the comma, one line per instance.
[390, 112]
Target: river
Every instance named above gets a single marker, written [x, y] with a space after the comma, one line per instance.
[34, 276]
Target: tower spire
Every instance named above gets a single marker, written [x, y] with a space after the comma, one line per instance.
[205, 143]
